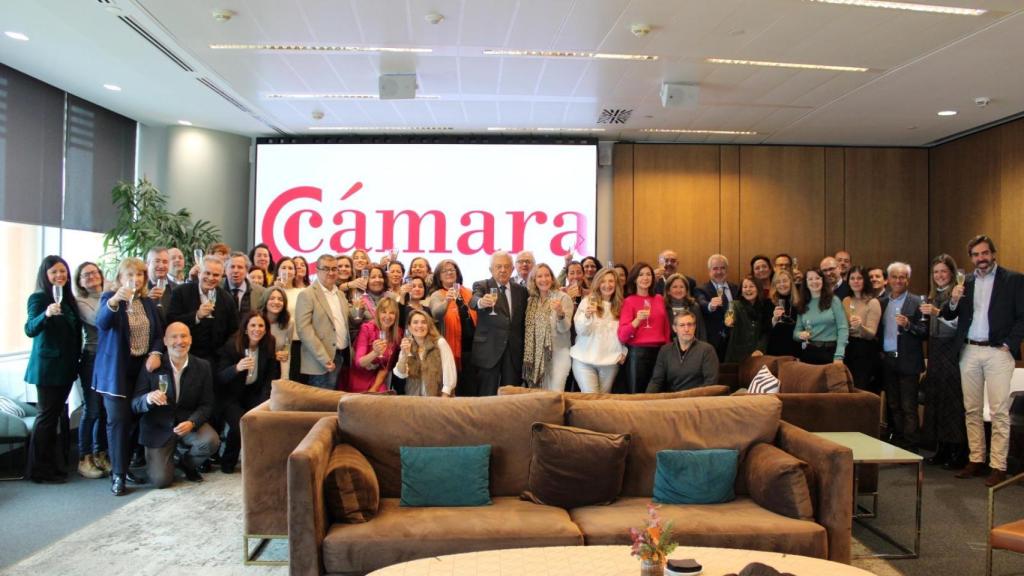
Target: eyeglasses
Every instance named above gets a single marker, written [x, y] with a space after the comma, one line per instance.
[448, 271]
[329, 268]
[90, 273]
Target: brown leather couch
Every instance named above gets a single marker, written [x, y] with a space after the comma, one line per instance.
[376, 427]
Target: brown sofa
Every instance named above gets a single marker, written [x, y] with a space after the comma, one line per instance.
[377, 427]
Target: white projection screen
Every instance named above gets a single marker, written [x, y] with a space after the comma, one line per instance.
[459, 201]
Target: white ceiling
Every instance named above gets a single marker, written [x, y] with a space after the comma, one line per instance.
[920, 64]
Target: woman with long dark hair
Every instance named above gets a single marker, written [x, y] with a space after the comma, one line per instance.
[55, 328]
[678, 299]
[280, 325]
[261, 258]
[247, 365]
[761, 271]
[821, 328]
[748, 317]
[131, 333]
[455, 320]
[301, 279]
[590, 267]
[93, 461]
[863, 312]
[643, 326]
[944, 414]
[425, 360]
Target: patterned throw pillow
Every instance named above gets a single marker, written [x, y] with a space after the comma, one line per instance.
[764, 382]
[11, 407]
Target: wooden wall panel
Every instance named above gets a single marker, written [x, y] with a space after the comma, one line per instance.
[622, 202]
[730, 206]
[782, 203]
[676, 203]
[835, 200]
[887, 208]
[1011, 195]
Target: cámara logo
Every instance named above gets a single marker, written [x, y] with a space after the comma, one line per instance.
[303, 209]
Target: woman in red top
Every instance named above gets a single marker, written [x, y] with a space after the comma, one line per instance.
[376, 349]
[643, 326]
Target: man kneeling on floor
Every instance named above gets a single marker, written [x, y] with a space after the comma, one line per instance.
[175, 401]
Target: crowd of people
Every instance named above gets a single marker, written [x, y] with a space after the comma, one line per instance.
[170, 359]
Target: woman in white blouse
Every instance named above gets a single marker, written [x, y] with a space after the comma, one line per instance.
[425, 360]
[598, 353]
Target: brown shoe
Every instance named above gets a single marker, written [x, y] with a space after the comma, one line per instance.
[995, 477]
[971, 470]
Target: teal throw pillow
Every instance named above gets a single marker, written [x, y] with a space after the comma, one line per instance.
[695, 476]
[446, 476]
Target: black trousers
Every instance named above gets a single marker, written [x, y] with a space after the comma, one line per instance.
[640, 368]
[861, 357]
[901, 399]
[48, 447]
[236, 405]
[121, 422]
[819, 355]
[503, 373]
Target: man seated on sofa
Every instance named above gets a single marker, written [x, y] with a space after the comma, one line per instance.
[175, 420]
[685, 362]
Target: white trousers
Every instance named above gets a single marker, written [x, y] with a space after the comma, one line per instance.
[558, 371]
[981, 368]
[591, 378]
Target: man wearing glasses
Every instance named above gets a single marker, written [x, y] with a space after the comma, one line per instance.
[321, 318]
[668, 264]
[830, 268]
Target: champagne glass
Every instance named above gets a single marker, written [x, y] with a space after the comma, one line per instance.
[162, 381]
[58, 294]
[197, 256]
[211, 297]
[458, 290]
[160, 284]
[131, 286]
[730, 313]
[647, 307]
[365, 274]
[960, 277]
[925, 318]
[248, 354]
[807, 328]
[494, 292]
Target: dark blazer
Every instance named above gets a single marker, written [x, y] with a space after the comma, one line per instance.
[714, 322]
[842, 291]
[165, 301]
[1005, 310]
[196, 403]
[253, 299]
[232, 382]
[110, 374]
[56, 342]
[910, 342]
[499, 334]
[209, 334]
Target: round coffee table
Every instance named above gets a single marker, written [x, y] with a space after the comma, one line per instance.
[604, 561]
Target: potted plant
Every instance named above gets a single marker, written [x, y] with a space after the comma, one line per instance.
[653, 543]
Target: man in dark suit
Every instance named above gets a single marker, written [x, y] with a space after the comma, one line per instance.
[246, 295]
[498, 342]
[158, 264]
[175, 420]
[989, 308]
[668, 263]
[210, 322]
[833, 273]
[902, 330]
[715, 298]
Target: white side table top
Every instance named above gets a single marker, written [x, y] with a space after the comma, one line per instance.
[605, 561]
[868, 450]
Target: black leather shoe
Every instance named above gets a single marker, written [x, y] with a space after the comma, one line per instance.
[138, 460]
[117, 487]
[132, 478]
[192, 474]
[206, 466]
[227, 468]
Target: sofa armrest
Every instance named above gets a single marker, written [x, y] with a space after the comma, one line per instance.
[307, 512]
[268, 438]
[857, 411]
[832, 492]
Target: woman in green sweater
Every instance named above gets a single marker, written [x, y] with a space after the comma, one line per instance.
[821, 328]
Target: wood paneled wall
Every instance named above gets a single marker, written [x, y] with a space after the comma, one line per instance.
[746, 200]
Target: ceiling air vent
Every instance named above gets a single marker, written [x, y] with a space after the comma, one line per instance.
[614, 116]
[156, 43]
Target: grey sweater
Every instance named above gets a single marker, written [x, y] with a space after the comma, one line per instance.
[675, 370]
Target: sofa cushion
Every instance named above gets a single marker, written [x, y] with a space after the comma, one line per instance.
[286, 395]
[400, 534]
[351, 491]
[574, 467]
[778, 481]
[11, 407]
[699, 392]
[764, 382]
[446, 475]
[751, 365]
[695, 476]
[737, 524]
[378, 425]
[734, 422]
[801, 377]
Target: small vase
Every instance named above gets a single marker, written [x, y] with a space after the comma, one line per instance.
[652, 567]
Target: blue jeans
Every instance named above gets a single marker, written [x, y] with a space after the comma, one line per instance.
[92, 430]
[329, 380]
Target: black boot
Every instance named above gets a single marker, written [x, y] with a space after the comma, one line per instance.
[957, 457]
[117, 485]
[942, 455]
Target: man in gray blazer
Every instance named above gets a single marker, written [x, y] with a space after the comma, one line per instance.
[902, 331]
[321, 318]
[247, 295]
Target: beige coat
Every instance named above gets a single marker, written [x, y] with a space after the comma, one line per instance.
[316, 328]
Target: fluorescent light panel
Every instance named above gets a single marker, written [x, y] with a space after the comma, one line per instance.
[909, 6]
[382, 128]
[16, 36]
[315, 48]
[544, 129]
[334, 96]
[947, 113]
[112, 87]
[787, 65]
[686, 131]
[570, 54]
[184, 122]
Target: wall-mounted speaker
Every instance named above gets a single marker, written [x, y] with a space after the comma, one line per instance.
[397, 86]
[679, 95]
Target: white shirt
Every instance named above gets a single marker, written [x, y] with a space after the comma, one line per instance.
[982, 298]
[177, 378]
[337, 316]
[597, 338]
[449, 373]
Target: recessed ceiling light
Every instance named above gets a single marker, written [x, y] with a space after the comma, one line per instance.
[335, 96]
[382, 128]
[685, 131]
[911, 6]
[947, 113]
[543, 129]
[184, 122]
[570, 54]
[112, 87]
[16, 36]
[787, 65]
[314, 48]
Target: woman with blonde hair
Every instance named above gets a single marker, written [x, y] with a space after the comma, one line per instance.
[546, 360]
[598, 353]
[425, 360]
[376, 349]
[786, 300]
[130, 333]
